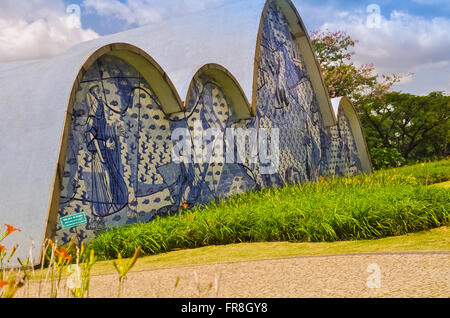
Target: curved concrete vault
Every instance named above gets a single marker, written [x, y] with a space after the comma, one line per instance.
[90, 131]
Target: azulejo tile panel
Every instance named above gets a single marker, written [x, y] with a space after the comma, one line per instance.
[120, 168]
[118, 140]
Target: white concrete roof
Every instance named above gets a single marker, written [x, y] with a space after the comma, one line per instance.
[225, 35]
[34, 96]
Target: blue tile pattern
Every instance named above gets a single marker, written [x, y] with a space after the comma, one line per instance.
[119, 167]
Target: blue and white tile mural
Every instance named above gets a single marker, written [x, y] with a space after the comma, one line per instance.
[120, 167]
[343, 158]
[286, 100]
[119, 137]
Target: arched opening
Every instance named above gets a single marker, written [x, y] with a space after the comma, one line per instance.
[116, 114]
[228, 85]
[215, 105]
[345, 110]
[147, 66]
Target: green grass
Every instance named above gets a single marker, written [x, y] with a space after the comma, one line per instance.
[387, 203]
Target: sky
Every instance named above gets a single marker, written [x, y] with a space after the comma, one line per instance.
[409, 37]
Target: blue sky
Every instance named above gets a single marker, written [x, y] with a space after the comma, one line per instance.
[413, 37]
[424, 8]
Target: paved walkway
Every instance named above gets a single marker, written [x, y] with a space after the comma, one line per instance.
[362, 275]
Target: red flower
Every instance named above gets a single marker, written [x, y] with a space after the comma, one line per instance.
[10, 229]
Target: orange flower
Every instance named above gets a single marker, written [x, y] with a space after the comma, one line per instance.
[61, 251]
[10, 229]
[3, 283]
[323, 179]
[360, 182]
[185, 206]
[62, 254]
[2, 248]
[191, 217]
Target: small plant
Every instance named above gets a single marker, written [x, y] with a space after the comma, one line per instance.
[123, 267]
[14, 281]
[10, 281]
[81, 276]
[59, 260]
[177, 283]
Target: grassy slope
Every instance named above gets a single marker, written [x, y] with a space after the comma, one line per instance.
[445, 185]
[386, 203]
[433, 240]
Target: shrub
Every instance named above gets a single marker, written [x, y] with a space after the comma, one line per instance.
[383, 158]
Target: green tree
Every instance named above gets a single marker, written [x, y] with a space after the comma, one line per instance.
[396, 125]
[417, 126]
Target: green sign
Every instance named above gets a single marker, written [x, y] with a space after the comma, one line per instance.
[74, 220]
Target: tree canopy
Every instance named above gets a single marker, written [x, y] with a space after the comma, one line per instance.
[399, 127]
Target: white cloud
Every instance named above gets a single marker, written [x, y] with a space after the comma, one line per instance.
[402, 44]
[131, 12]
[406, 79]
[38, 29]
[142, 12]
